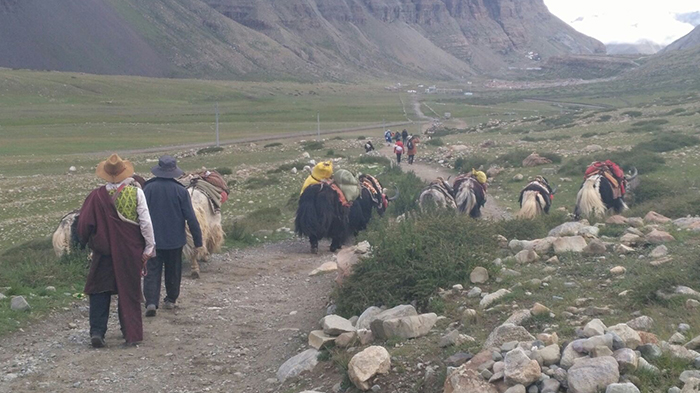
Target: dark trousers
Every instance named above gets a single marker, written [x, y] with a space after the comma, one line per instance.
[99, 313]
[172, 261]
[398, 158]
[410, 159]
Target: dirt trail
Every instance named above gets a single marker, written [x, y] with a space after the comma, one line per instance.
[234, 327]
[491, 209]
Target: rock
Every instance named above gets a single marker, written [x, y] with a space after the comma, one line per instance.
[595, 247]
[550, 386]
[318, 339]
[655, 218]
[587, 345]
[674, 390]
[335, 325]
[516, 389]
[659, 251]
[650, 351]
[618, 270]
[365, 336]
[18, 303]
[566, 229]
[407, 327]
[548, 339]
[520, 369]
[324, 268]
[294, 170]
[367, 317]
[677, 338]
[616, 220]
[491, 298]
[346, 340]
[305, 155]
[526, 256]
[692, 386]
[50, 289]
[548, 355]
[450, 339]
[2, 296]
[679, 352]
[688, 223]
[569, 355]
[592, 375]
[630, 239]
[643, 323]
[644, 365]
[72, 169]
[592, 148]
[692, 304]
[621, 388]
[656, 237]
[458, 359]
[467, 380]
[479, 275]
[346, 259]
[539, 310]
[518, 177]
[648, 338]
[693, 344]
[535, 159]
[635, 222]
[493, 172]
[600, 350]
[661, 261]
[627, 360]
[377, 323]
[589, 231]
[623, 249]
[366, 364]
[519, 317]
[506, 333]
[688, 374]
[569, 244]
[305, 361]
[553, 260]
[628, 335]
[595, 327]
[474, 292]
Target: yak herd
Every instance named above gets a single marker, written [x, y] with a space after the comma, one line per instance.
[325, 212]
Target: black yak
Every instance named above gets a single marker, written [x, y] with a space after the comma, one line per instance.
[470, 193]
[599, 194]
[536, 198]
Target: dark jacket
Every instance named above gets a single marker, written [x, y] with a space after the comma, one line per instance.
[170, 206]
[404, 134]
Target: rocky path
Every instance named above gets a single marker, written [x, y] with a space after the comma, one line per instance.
[234, 327]
[491, 210]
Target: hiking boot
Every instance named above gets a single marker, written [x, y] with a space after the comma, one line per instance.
[168, 305]
[97, 341]
[151, 310]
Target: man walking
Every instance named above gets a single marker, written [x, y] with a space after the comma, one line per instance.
[170, 207]
[115, 222]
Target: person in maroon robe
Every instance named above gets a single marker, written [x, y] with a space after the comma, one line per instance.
[115, 223]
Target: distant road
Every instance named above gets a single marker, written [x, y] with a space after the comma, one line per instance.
[272, 137]
[546, 101]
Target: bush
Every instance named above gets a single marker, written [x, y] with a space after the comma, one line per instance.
[370, 160]
[513, 159]
[669, 142]
[273, 144]
[589, 134]
[559, 121]
[465, 164]
[556, 158]
[224, 170]
[632, 113]
[646, 123]
[436, 141]
[312, 145]
[330, 153]
[604, 118]
[361, 138]
[210, 150]
[530, 229]
[288, 167]
[232, 183]
[413, 258]
[409, 186]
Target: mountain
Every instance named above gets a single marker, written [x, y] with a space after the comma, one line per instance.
[291, 39]
[689, 40]
[642, 47]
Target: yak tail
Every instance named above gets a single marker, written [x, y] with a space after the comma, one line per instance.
[66, 234]
[308, 220]
[588, 201]
[199, 203]
[531, 206]
[466, 200]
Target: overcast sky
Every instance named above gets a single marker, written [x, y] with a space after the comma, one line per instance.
[629, 20]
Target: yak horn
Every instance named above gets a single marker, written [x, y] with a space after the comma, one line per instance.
[394, 197]
[554, 191]
[633, 174]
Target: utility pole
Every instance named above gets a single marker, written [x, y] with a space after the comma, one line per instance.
[217, 124]
[318, 126]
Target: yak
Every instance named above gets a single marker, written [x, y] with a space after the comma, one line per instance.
[598, 195]
[469, 194]
[65, 237]
[323, 213]
[439, 194]
[536, 198]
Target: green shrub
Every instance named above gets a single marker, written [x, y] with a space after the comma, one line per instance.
[669, 142]
[436, 141]
[530, 229]
[273, 144]
[210, 150]
[673, 112]
[409, 186]
[512, 159]
[654, 122]
[330, 153]
[288, 167]
[554, 157]
[589, 134]
[604, 118]
[647, 128]
[257, 183]
[559, 121]
[465, 164]
[632, 113]
[370, 160]
[232, 183]
[312, 145]
[224, 170]
[413, 258]
[612, 230]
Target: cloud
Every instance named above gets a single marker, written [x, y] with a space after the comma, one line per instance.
[628, 21]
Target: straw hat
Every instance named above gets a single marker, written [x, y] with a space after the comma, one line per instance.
[114, 169]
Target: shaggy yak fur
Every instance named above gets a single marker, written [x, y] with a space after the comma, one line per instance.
[470, 195]
[321, 214]
[212, 232]
[595, 198]
[65, 237]
[438, 194]
[535, 199]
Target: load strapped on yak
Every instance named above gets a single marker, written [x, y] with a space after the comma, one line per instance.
[342, 182]
[478, 184]
[322, 171]
[612, 172]
[211, 184]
